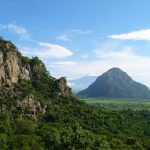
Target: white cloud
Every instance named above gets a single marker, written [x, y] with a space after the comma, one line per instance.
[136, 66]
[126, 52]
[62, 63]
[19, 30]
[92, 74]
[84, 56]
[79, 31]
[135, 35]
[47, 50]
[63, 38]
[71, 84]
[54, 50]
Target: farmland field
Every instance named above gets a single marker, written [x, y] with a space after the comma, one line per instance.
[119, 104]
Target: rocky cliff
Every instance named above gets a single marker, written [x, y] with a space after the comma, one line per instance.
[21, 80]
[13, 66]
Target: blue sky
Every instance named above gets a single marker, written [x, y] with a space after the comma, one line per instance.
[81, 37]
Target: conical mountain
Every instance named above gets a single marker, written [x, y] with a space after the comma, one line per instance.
[115, 83]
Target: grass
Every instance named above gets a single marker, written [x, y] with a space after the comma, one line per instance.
[119, 104]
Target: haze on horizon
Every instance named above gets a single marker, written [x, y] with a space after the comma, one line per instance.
[78, 38]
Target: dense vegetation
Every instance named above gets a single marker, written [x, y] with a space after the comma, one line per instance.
[67, 123]
[77, 126]
[8, 46]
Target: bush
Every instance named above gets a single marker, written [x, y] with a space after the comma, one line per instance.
[23, 126]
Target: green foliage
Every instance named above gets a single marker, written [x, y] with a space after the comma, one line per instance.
[66, 122]
[50, 136]
[25, 59]
[86, 128]
[35, 60]
[24, 142]
[3, 141]
[5, 127]
[23, 126]
[120, 104]
[8, 46]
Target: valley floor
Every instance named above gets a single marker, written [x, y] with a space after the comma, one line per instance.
[120, 104]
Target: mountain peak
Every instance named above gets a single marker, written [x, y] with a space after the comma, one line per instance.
[115, 83]
[116, 71]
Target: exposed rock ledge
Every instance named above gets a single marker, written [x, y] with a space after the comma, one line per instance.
[11, 69]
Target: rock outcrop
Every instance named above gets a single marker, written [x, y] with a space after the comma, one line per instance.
[63, 89]
[13, 67]
[9, 68]
[30, 107]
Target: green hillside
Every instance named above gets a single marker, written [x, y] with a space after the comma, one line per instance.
[39, 112]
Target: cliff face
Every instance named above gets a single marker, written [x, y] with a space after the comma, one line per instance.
[63, 89]
[11, 69]
[13, 66]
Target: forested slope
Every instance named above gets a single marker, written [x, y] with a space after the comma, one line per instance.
[39, 112]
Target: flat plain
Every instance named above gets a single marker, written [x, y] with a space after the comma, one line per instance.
[119, 104]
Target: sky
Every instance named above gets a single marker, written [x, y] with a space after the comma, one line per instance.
[75, 38]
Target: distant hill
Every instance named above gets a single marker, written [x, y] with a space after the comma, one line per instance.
[81, 83]
[115, 83]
